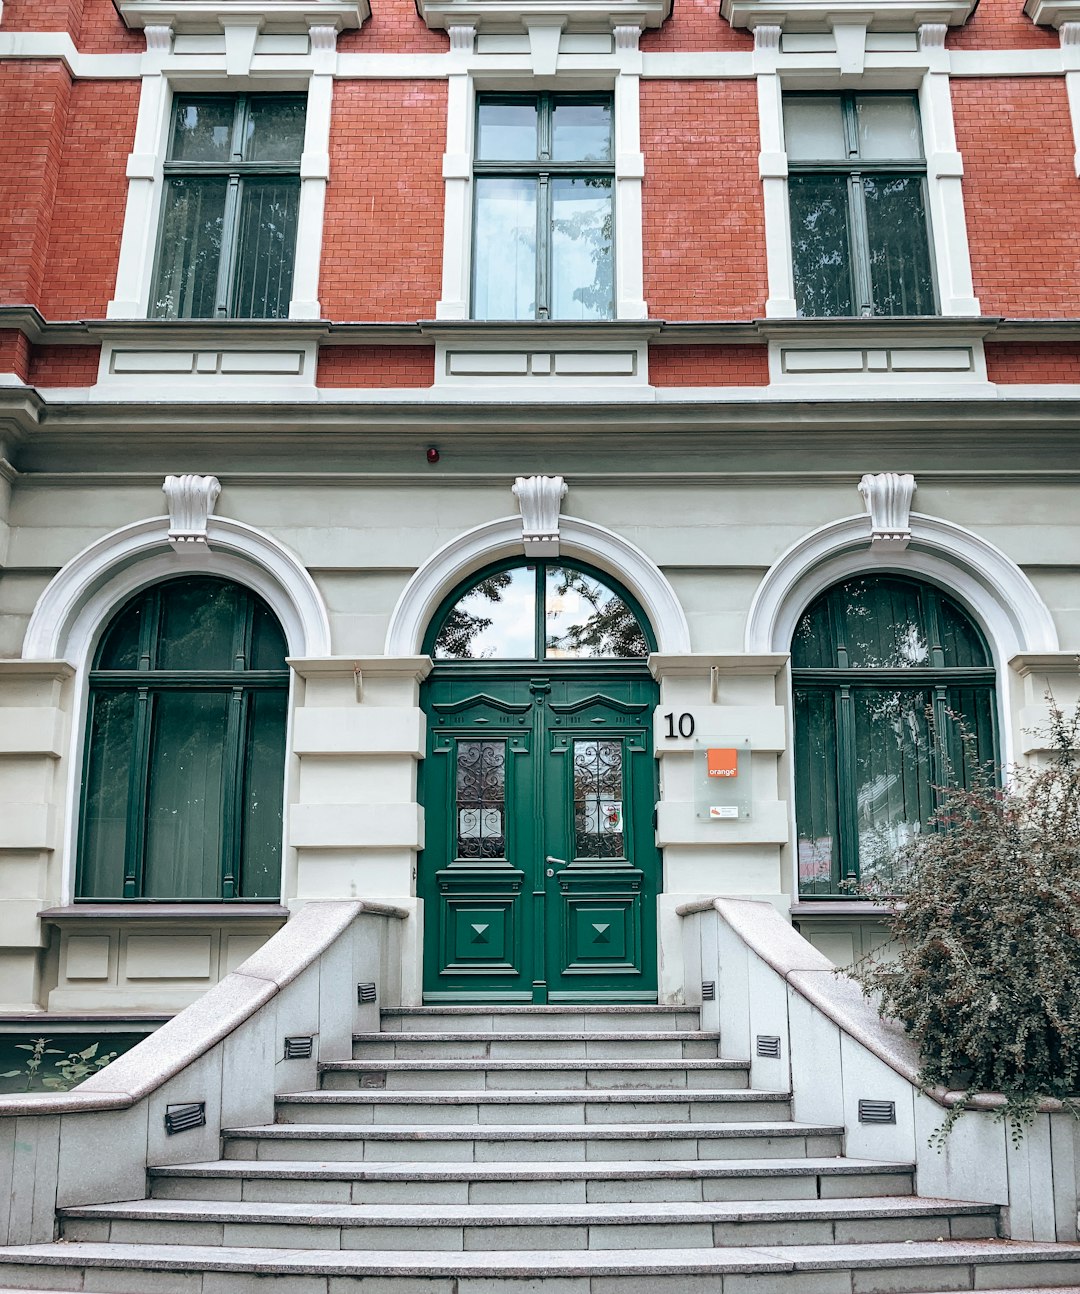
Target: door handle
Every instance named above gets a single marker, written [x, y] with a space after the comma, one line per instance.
[549, 859]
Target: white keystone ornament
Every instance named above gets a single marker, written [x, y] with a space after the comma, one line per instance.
[191, 500]
[540, 498]
[887, 496]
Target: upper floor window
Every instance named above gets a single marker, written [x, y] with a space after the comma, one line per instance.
[894, 696]
[543, 245]
[185, 751]
[860, 238]
[232, 193]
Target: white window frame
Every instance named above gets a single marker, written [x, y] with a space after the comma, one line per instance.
[165, 74]
[471, 74]
[924, 71]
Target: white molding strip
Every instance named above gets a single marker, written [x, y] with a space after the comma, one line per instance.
[81, 596]
[979, 574]
[586, 540]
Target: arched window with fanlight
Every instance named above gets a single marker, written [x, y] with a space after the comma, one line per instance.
[185, 750]
[893, 697]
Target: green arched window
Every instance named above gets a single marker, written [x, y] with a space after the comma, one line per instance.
[185, 753]
[883, 668]
[539, 611]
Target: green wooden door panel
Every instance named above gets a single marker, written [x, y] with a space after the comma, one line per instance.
[540, 870]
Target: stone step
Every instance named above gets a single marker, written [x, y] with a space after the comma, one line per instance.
[503, 1075]
[553, 1142]
[423, 1109]
[523, 1182]
[477, 1227]
[537, 1019]
[630, 1045]
[792, 1269]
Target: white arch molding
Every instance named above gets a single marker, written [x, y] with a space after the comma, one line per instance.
[81, 597]
[584, 540]
[987, 582]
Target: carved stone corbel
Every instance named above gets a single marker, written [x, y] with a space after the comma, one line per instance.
[887, 496]
[540, 498]
[191, 501]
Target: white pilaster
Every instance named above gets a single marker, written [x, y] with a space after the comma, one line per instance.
[457, 174]
[944, 179]
[314, 174]
[629, 174]
[1069, 35]
[144, 172]
[773, 170]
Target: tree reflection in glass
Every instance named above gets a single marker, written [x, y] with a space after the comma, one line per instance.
[493, 620]
[584, 618]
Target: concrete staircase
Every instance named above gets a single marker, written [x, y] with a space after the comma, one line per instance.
[512, 1151]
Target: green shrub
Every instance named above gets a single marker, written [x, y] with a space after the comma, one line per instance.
[72, 1067]
[986, 976]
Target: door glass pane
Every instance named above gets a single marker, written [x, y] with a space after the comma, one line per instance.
[507, 132]
[581, 132]
[268, 650]
[888, 127]
[202, 129]
[267, 238]
[504, 258]
[820, 245]
[963, 644]
[598, 799]
[264, 774]
[582, 238]
[814, 128]
[495, 620]
[969, 735]
[184, 802]
[882, 623]
[120, 646]
[274, 130]
[901, 278]
[198, 625]
[584, 618]
[894, 801]
[481, 797]
[105, 798]
[190, 251]
[816, 800]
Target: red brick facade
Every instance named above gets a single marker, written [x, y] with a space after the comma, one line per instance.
[375, 366]
[64, 365]
[382, 240]
[709, 365]
[1021, 194]
[14, 353]
[1033, 362]
[1001, 24]
[696, 25]
[704, 224]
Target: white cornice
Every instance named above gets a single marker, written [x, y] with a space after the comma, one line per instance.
[1052, 13]
[825, 15]
[571, 15]
[193, 16]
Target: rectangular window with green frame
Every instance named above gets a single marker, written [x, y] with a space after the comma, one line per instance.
[544, 217]
[229, 214]
[860, 233]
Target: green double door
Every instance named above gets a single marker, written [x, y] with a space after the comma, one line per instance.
[540, 871]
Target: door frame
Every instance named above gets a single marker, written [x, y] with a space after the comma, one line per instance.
[486, 677]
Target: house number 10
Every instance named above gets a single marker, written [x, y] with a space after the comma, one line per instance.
[683, 726]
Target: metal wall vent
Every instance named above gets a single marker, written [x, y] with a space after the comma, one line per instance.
[298, 1048]
[365, 993]
[708, 990]
[877, 1111]
[182, 1118]
[768, 1046]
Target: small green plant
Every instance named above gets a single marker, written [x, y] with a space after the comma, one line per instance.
[73, 1066]
[986, 973]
